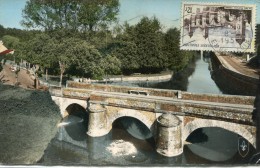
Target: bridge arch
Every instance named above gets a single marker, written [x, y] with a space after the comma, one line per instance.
[67, 103]
[75, 123]
[75, 109]
[147, 118]
[233, 127]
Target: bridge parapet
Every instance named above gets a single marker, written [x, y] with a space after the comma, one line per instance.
[235, 113]
[106, 103]
[55, 91]
[222, 107]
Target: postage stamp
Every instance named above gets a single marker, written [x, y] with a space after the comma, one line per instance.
[218, 27]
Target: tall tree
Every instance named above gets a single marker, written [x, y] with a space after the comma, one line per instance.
[176, 58]
[69, 14]
[95, 13]
[111, 65]
[11, 42]
[86, 58]
[126, 52]
[2, 31]
[60, 52]
[149, 41]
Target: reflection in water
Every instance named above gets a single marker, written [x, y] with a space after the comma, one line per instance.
[131, 143]
[195, 78]
[72, 130]
[136, 128]
[74, 127]
[219, 146]
[120, 147]
[200, 81]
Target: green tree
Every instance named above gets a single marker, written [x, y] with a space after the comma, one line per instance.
[33, 50]
[39, 14]
[61, 54]
[111, 65]
[69, 14]
[86, 58]
[126, 52]
[176, 58]
[93, 14]
[2, 31]
[11, 42]
[149, 42]
[36, 51]
[22, 35]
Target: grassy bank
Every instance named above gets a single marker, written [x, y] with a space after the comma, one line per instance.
[28, 122]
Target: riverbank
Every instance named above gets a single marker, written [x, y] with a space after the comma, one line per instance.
[237, 65]
[233, 76]
[137, 77]
[28, 122]
[141, 77]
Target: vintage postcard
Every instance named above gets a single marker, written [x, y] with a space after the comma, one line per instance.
[105, 83]
[218, 27]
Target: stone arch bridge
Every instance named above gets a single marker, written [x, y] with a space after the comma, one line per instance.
[170, 115]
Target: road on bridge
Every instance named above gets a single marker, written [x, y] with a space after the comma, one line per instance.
[169, 99]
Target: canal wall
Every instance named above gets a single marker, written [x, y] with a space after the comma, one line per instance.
[232, 82]
[144, 78]
[133, 78]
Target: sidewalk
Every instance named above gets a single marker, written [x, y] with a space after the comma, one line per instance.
[8, 77]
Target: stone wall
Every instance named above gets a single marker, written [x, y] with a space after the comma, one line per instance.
[84, 89]
[231, 82]
[142, 78]
[235, 113]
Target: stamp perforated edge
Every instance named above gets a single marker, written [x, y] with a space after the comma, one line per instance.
[254, 17]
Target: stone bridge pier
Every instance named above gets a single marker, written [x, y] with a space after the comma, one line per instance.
[169, 135]
[167, 129]
[171, 117]
[98, 125]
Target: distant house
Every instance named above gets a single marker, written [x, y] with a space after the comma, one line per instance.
[4, 50]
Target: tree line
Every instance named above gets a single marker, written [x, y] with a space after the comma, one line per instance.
[75, 37]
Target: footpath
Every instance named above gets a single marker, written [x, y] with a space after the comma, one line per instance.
[7, 76]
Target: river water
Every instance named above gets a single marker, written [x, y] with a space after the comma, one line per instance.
[130, 141]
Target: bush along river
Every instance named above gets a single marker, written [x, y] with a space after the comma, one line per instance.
[131, 143]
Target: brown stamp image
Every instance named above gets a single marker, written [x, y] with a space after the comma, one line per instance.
[218, 27]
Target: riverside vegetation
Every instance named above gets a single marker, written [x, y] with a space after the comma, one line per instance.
[73, 38]
[83, 38]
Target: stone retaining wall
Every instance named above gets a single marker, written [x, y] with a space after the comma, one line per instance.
[232, 82]
[143, 78]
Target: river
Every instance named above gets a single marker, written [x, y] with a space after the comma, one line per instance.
[131, 143]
